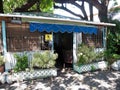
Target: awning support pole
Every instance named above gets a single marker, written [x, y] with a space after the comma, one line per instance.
[104, 37]
[52, 43]
[4, 37]
[74, 47]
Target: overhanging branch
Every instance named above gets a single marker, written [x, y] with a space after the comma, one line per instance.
[64, 8]
[26, 6]
[82, 8]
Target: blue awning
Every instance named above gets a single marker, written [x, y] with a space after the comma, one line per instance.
[61, 28]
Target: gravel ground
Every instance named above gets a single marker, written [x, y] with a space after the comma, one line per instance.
[70, 80]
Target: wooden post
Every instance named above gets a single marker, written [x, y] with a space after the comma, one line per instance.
[74, 47]
[4, 37]
[104, 37]
[52, 42]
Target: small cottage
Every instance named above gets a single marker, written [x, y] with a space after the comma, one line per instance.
[29, 33]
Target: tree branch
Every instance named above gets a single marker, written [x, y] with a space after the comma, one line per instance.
[91, 12]
[94, 2]
[26, 6]
[64, 8]
[1, 6]
[64, 1]
[82, 9]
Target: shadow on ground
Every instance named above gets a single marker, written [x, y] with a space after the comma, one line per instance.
[70, 80]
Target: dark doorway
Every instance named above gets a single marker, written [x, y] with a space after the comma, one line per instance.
[63, 45]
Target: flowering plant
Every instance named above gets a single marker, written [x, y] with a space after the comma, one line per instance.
[86, 54]
[45, 59]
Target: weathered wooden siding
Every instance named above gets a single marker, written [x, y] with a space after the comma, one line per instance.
[19, 38]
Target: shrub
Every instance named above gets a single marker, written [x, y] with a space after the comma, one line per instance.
[22, 62]
[86, 54]
[1, 60]
[45, 59]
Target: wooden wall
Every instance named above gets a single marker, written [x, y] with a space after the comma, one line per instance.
[19, 38]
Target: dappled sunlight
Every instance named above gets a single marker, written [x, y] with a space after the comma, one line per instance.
[102, 83]
[116, 74]
[70, 80]
[41, 85]
[77, 87]
[76, 76]
[102, 80]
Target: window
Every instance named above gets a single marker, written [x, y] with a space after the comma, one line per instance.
[19, 38]
[91, 39]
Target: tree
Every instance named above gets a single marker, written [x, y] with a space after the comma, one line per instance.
[28, 6]
[113, 11]
[1, 6]
[83, 16]
[101, 5]
[10, 5]
[47, 5]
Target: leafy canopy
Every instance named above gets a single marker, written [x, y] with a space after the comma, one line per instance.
[43, 5]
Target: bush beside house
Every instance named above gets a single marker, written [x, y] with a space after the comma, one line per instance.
[88, 59]
[2, 62]
[42, 65]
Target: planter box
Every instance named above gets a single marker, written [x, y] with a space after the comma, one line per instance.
[90, 67]
[40, 73]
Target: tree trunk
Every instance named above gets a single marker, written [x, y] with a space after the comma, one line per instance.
[103, 14]
[1, 6]
[91, 11]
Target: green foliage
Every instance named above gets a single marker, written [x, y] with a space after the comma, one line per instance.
[44, 59]
[113, 43]
[46, 5]
[93, 68]
[113, 39]
[10, 5]
[21, 62]
[87, 54]
[1, 60]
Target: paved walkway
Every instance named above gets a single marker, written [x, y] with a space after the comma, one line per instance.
[70, 80]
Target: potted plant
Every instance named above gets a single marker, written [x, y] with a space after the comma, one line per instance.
[88, 59]
[2, 62]
[20, 67]
[42, 65]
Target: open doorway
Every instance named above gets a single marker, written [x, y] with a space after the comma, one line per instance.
[63, 45]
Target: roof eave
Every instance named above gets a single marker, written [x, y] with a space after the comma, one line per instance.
[56, 20]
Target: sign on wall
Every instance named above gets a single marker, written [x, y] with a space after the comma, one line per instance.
[48, 37]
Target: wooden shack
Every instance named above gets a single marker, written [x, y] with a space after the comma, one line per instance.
[27, 33]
